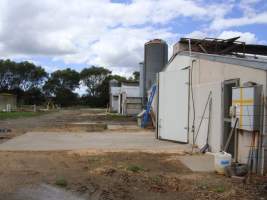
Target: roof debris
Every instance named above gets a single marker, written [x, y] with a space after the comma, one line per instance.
[220, 46]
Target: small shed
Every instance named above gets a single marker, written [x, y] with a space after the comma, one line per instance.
[114, 92]
[125, 98]
[202, 90]
[130, 101]
[8, 102]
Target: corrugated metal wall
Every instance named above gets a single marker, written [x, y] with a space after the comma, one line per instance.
[7, 99]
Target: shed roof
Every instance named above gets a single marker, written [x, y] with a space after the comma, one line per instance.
[248, 61]
[223, 46]
[130, 83]
[229, 51]
[7, 94]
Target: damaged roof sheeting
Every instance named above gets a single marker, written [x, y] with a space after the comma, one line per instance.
[219, 46]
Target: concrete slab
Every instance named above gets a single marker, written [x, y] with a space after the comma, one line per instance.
[104, 141]
[88, 126]
[199, 163]
[119, 127]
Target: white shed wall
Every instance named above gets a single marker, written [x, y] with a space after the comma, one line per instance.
[178, 62]
[201, 93]
[131, 91]
[115, 90]
[114, 98]
[209, 76]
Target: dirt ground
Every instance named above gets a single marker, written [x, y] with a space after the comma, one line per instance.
[59, 120]
[118, 176]
[111, 176]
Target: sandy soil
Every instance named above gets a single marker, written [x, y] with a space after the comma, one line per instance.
[110, 176]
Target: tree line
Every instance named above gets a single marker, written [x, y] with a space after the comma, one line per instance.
[33, 85]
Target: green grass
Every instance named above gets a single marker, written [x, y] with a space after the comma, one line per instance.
[15, 115]
[220, 189]
[113, 116]
[156, 179]
[61, 182]
[135, 168]
[202, 186]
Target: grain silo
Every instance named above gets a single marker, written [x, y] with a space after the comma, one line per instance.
[141, 79]
[156, 57]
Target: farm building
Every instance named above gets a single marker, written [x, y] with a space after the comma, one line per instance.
[214, 91]
[130, 102]
[125, 99]
[8, 102]
[114, 91]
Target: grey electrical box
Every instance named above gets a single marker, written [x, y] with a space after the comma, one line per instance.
[246, 102]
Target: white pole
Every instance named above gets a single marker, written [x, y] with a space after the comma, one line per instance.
[189, 44]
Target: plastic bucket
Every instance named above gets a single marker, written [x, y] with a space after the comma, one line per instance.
[222, 160]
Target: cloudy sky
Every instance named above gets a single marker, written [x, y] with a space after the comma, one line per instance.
[77, 33]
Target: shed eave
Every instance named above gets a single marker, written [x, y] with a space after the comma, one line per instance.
[243, 62]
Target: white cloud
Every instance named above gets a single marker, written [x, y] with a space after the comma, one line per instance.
[223, 23]
[50, 69]
[197, 34]
[81, 90]
[102, 32]
[248, 6]
[122, 47]
[247, 37]
[93, 32]
[251, 13]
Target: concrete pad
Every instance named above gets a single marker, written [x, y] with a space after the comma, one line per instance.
[199, 163]
[88, 126]
[104, 141]
[119, 127]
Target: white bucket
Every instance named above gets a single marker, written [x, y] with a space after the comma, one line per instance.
[222, 160]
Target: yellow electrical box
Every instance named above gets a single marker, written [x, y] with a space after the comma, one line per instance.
[247, 107]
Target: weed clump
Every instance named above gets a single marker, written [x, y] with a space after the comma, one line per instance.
[61, 182]
[135, 168]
